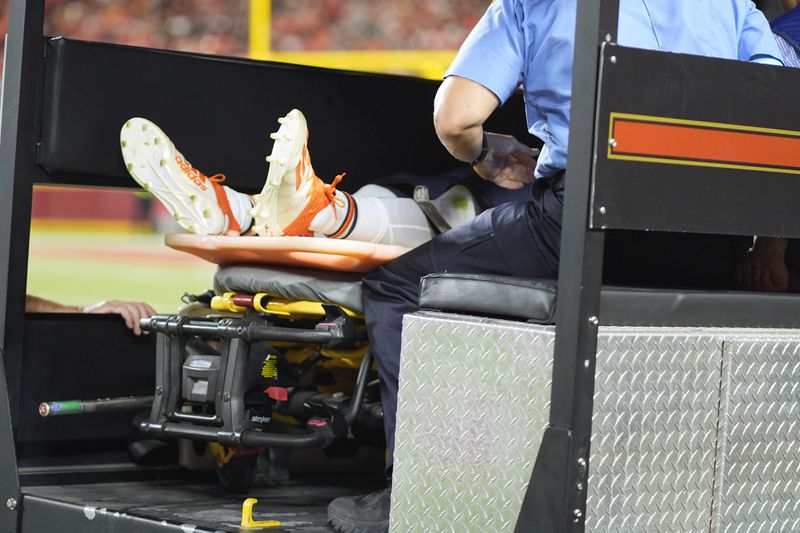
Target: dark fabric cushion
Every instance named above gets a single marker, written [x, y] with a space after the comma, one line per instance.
[535, 300]
[531, 299]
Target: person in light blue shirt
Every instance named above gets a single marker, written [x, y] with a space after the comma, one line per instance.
[527, 44]
[530, 44]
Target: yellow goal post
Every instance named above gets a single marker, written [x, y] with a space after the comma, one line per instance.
[429, 64]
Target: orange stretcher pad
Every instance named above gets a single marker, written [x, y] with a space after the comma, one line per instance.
[308, 252]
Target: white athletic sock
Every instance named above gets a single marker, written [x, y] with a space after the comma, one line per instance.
[376, 214]
[240, 205]
[333, 218]
[391, 221]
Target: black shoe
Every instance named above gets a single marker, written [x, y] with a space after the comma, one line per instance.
[361, 514]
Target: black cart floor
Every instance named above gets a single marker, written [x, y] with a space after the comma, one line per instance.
[300, 505]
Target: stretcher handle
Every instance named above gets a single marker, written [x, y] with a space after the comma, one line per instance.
[232, 329]
[79, 407]
[247, 439]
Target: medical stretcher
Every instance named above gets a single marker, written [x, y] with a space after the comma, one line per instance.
[277, 358]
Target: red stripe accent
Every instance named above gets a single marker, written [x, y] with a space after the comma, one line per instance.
[242, 300]
[239, 452]
[704, 144]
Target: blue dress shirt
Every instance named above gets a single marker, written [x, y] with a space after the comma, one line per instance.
[531, 43]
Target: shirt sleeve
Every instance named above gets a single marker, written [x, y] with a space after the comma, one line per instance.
[493, 53]
[756, 42]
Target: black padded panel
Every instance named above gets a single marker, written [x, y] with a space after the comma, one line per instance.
[702, 195]
[535, 300]
[80, 357]
[531, 299]
[621, 306]
[219, 113]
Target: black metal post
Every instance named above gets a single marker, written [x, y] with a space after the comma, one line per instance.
[19, 136]
[10, 498]
[22, 79]
[556, 496]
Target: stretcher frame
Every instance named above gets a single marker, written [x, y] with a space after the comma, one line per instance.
[557, 501]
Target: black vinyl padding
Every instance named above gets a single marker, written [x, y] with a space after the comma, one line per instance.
[219, 112]
[530, 299]
[535, 300]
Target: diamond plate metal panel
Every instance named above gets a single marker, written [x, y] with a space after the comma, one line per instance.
[473, 406]
[654, 430]
[693, 429]
[759, 471]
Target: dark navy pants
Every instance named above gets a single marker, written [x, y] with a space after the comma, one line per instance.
[514, 239]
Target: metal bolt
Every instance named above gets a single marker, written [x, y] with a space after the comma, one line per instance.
[586, 363]
[602, 210]
[580, 486]
[226, 397]
[11, 503]
[612, 142]
[581, 461]
[613, 60]
[608, 37]
[593, 320]
[577, 513]
[159, 391]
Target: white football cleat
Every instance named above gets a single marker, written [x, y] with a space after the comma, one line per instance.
[293, 194]
[198, 202]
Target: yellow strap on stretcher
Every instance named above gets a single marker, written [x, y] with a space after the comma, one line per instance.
[294, 308]
[267, 303]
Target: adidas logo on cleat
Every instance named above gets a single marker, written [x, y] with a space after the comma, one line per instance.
[191, 173]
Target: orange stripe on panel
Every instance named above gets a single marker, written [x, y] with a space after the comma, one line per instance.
[709, 144]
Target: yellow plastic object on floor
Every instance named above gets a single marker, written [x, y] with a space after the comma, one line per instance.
[247, 516]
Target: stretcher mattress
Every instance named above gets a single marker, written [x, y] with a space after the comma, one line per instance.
[324, 254]
[341, 288]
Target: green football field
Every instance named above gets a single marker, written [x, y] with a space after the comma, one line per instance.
[81, 268]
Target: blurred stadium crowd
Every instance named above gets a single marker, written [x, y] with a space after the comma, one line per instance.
[371, 24]
[221, 26]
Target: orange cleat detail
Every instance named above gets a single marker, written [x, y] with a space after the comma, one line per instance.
[320, 196]
[293, 194]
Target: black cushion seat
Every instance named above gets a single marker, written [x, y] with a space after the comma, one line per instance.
[534, 300]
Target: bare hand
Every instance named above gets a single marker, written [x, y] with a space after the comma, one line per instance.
[763, 270]
[509, 163]
[132, 312]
